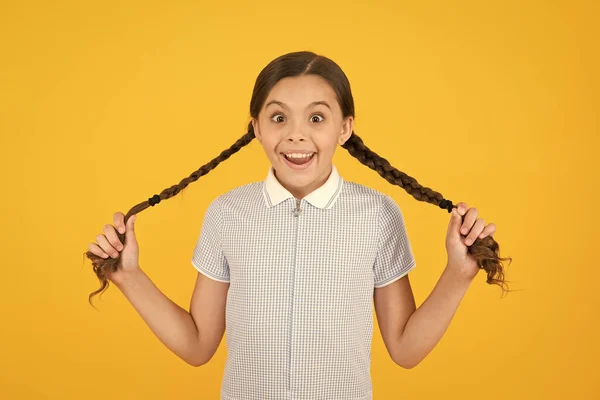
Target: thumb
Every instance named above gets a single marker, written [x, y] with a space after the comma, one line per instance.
[130, 229]
[454, 225]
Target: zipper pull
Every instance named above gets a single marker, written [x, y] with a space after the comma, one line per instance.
[297, 210]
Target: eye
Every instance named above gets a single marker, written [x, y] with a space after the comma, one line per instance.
[318, 116]
[278, 118]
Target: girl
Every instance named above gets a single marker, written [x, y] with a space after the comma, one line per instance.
[289, 266]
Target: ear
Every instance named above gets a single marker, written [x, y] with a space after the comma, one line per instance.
[256, 128]
[347, 128]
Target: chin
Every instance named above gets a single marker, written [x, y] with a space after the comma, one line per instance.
[299, 178]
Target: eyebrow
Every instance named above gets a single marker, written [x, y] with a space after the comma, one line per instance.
[314, 103]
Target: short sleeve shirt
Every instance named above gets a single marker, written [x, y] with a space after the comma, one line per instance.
[302, 273]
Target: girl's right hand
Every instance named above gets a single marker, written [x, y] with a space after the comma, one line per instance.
[109, 245]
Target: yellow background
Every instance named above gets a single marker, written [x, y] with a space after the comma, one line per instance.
[104, 104]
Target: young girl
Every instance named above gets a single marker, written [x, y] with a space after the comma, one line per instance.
[289, 267]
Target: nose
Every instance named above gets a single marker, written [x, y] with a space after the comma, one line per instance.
[296, 135]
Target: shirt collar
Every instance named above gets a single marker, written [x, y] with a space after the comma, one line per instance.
[323, 197]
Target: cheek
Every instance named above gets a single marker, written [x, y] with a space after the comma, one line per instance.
[326, 145]
[268, 135]
[270, 142]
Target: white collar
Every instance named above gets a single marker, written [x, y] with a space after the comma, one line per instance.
[323, 197]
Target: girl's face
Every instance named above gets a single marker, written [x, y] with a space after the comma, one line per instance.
[299, 127]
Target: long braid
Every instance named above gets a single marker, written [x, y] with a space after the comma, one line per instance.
[484, 250]
[103, 267]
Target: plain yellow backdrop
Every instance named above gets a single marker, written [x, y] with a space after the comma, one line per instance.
[103, 104]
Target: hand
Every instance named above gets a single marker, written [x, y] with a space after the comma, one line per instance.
[109, 245]
[462, 234]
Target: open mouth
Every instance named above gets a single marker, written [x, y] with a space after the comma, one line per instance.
[298, 160]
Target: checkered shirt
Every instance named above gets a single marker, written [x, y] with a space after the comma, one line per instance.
[302, 273]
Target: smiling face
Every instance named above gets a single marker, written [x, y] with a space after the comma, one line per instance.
[299, 127]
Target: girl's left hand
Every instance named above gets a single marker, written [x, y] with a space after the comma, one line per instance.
[457, 244]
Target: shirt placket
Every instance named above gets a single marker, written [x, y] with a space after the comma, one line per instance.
[292, 359]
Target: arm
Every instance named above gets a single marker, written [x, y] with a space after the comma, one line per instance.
[409, 333]
[193, 336]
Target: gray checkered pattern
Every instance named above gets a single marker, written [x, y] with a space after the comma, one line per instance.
[299, 314]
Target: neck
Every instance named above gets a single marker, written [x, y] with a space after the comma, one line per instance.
[303, 191]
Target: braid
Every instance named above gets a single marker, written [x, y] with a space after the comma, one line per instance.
[102, 267]
[484, 250]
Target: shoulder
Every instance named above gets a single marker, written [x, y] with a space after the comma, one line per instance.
[358, 190]
[353, 191]
[245, 196]
[357, 194]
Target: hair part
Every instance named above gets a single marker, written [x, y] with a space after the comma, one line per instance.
[485, 251]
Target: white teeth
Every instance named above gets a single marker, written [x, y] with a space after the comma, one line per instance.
[298, 155]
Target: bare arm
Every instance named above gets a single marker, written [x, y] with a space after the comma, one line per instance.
[193, 336]
[411, 334]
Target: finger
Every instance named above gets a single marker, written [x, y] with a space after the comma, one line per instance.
[130, 235]
[106, 247]
[477, 229]
[469, 220]
[113, 239]
[489, 230]
[118, 221]
[97, 250]
[462, 208]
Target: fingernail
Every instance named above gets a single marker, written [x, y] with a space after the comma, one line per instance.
[122, 230]
[468, 242]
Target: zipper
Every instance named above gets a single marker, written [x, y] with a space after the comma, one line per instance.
[296, 212]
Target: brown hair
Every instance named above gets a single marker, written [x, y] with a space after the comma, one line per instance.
[484, 250]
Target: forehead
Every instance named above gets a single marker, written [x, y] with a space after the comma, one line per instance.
[299, 91]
